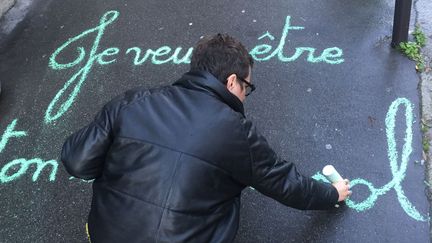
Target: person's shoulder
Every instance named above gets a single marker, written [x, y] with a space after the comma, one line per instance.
[132, 95]
[142, 92]
[250, 128]
[246, 123]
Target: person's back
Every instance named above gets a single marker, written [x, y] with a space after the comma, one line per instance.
[170, 164]
[169, 167]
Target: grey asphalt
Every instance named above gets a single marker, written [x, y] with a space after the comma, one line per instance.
[337, 107]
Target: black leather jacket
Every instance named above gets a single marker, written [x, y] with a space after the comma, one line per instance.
[170, 164]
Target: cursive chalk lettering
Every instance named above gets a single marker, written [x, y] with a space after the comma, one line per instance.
[54, 110]
[398, 172]
[332, 55]
[9, 133]
[65, 97]
[9, 173]
[162, 51]
[23, 165]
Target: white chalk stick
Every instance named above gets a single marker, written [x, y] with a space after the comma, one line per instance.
[331, 174]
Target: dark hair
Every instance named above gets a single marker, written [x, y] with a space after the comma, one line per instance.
[221, 55]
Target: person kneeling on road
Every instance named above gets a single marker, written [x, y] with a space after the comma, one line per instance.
[170, 163]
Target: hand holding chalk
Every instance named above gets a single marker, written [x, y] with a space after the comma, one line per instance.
[331, 174]
[341, 185]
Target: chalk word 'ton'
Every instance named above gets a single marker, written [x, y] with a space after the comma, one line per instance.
[18, 167]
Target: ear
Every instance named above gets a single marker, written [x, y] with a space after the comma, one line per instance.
[231, 82]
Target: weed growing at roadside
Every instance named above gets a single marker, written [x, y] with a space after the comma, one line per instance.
[419, 37]
[412, 49]
[426, 146]
[425, 142]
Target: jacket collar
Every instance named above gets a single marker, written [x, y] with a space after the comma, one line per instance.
[205, 81]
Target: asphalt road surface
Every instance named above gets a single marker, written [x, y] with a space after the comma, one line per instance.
[330, 90]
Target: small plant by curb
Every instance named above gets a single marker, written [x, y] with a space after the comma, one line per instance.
[426, 145]
[425, 142]
[412, 49]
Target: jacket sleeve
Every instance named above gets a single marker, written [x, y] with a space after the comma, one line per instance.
[83, 153]
[280, 180]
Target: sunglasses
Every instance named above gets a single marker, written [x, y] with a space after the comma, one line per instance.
[249, 87]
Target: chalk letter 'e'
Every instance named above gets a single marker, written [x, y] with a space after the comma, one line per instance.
[334, 53]
[108, 52]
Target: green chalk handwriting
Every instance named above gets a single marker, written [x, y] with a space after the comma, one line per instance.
[23, 166]
[162, 51]
[332, 55]
[54, 112]
[398, 172]
[9, 173]
[18, 167]
[9, 133]
[65, 97]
